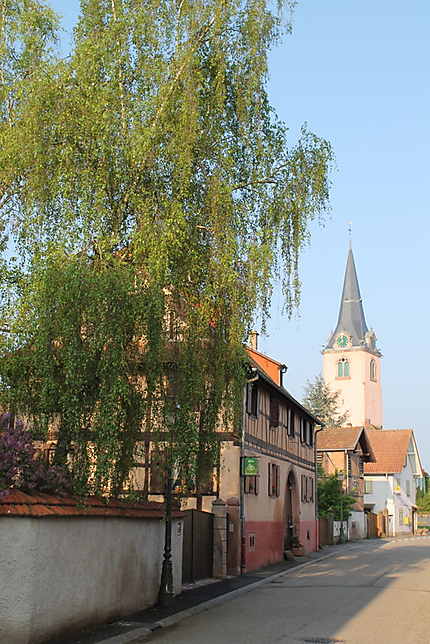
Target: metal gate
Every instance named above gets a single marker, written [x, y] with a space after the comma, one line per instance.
[197, 554]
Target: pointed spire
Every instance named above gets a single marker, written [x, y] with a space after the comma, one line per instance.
[351, 319]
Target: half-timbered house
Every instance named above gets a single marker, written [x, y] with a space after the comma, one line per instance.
[268, 472]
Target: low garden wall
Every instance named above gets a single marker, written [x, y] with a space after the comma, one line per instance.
[64, 566]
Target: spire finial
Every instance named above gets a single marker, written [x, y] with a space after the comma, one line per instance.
[350, 233]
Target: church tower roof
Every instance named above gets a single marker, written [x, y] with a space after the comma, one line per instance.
[351, 320]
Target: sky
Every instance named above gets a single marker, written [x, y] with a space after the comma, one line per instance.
[357, 73]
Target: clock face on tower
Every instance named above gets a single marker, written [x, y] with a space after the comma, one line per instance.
[342, 341]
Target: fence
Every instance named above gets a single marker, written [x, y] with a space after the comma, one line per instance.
[197, 561]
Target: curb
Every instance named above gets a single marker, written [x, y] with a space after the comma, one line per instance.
[138, 634]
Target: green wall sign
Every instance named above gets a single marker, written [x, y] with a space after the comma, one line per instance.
[250, 466]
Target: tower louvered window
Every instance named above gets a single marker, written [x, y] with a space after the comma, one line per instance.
[343, 368]
[373, 370]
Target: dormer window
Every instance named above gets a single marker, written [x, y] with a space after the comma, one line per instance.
[343, 368]
[373, 370]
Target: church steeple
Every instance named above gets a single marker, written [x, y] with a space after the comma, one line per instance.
[351, 360]
[351, 320]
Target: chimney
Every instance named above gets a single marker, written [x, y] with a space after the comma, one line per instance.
[253, 340]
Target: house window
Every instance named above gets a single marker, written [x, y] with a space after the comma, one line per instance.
[311, 434]
[250, 485]
[408, 488]
[290, 423]
[304, 486]
[310, 489]
[274, 411]
[252, 399]
[302, 430]
[373, 370]
[307, 488]
[273, 479]
[343, 368]
[368, 486]
[158, 471]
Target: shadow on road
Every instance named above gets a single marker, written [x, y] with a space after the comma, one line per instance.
[342, 595]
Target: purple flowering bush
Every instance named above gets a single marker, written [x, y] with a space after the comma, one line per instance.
[22, 469]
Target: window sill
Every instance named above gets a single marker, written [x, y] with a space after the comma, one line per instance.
[343, 377]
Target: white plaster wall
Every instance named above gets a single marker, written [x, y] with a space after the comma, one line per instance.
[60, 574]
[384, 497]
[382, 492]
[404, 502]
[357, 526]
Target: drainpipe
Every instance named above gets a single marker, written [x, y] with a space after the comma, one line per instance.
[317, 523]
[282, 369]
[241, 483]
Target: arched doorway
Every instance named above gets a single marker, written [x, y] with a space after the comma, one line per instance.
[290, 510]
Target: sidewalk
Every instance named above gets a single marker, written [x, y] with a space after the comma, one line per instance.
[191, 601]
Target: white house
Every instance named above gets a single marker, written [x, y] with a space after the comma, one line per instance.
[391, 481]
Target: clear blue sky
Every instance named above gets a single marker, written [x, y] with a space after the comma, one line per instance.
[357, 72]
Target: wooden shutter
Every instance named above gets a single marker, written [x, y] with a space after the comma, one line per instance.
[274, 411]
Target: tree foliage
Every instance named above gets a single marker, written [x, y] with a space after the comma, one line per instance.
[332, 501]
[324, 403]
[423, 500]
[151, 196]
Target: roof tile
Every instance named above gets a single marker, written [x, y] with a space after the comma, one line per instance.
[338, 438]
[390, 447]
[16, 503]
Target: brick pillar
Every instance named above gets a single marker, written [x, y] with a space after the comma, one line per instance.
[233, 553]
[219, 510]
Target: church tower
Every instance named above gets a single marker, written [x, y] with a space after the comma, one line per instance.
[351, 360]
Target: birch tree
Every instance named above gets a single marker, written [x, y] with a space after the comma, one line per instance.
[150, 197]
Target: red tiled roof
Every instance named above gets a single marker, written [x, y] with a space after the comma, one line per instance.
[339, 438]
[345, 438]
[20, 504]
[390, 447]
[270, 366]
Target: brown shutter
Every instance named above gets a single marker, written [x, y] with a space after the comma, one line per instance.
[274, 411]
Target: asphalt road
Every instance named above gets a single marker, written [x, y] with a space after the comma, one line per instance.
[372, 592]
